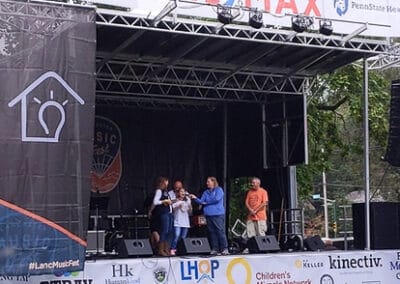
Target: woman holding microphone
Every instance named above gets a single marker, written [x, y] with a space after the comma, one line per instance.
[212, 201]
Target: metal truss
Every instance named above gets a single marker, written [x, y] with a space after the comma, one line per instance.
[143, 79]
[34, 18]
[155, 103]
[238, 32]
[386, 61]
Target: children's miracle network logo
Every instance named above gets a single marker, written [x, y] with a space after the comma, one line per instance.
[341, 6]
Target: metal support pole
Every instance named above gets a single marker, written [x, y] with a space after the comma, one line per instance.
[326, 221]
[225, 150]
[366, 157]
[346, 245]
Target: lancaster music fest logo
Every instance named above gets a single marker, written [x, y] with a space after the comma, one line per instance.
[107, 162]
[34, 101]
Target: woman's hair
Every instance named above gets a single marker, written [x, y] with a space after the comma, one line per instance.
[161, 182]
[214, 180]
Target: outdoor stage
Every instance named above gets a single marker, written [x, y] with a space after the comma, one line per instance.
[325, 267]
[141, 72]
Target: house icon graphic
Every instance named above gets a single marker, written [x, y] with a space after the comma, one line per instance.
[49, 104]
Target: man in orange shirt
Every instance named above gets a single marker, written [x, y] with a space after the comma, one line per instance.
[256, 203]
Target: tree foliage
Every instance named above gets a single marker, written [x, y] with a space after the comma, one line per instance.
[335, 130]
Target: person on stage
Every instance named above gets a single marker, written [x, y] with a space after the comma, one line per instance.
[256, 203]
[163, 211]
[212, 201]
[173, 193]
[154, 224]
[182, 208]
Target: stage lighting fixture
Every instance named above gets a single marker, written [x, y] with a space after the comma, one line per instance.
[301, 23]
[255, 19]
[325, 27]
[224, 14]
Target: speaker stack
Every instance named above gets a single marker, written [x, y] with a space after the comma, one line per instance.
[384, 225]
[393, 148]
[193, 246]
[263, 244]
[314, 243]
[134, 248]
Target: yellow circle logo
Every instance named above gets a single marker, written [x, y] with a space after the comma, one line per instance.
[238, 261]
[298, 263]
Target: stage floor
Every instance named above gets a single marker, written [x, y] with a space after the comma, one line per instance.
[324, 267]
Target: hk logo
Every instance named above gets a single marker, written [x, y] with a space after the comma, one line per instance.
[341, 6]
[44, 101]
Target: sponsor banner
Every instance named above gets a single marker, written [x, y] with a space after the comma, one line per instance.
[383, 16]
[355, 267]
[47, 100]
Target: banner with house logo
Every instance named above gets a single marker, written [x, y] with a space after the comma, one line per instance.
[47, 96]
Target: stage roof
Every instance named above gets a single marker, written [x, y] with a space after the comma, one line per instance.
[171, 57]
[179, 58]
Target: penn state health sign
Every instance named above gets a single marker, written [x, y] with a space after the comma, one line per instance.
[47, 96]
[381, 16]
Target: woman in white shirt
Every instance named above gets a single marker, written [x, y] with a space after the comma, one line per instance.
[182, 208]
[162, 212]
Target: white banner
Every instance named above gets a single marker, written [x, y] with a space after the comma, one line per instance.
[382, 16]
[340, 267]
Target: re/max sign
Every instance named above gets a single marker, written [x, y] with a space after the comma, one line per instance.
[277, 6]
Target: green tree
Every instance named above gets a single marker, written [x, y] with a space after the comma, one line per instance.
[335, 125]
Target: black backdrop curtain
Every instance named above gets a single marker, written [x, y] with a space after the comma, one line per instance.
[179, 144]
[188, 145]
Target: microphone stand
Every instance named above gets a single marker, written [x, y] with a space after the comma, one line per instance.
[136, 223]
[97, 225]
[97, 229]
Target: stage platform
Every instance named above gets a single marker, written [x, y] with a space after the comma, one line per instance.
[324, 267]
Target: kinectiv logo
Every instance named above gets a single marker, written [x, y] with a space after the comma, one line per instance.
[336, 262]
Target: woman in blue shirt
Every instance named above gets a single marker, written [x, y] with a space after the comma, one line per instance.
[212, 201]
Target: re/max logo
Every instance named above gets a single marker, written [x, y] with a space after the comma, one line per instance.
[282, 6]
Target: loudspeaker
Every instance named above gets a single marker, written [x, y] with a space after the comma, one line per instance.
[134, 247]
[193, 246]
[314, 243]
[384, 225]
[263, 244]
[393, 150]
[294, 243]
[95, 241]
[284, 132]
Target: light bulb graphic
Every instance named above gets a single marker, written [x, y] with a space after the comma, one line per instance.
[48, 104]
